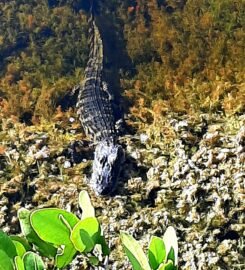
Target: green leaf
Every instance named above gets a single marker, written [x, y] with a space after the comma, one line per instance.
[44, 248]
[105, 247]
[66, 256]
[21, 240]
[53, 225]
[32, 261]
[19, 248]
[135, 263]
[171, 241]
[134, 252]
[84, 241]
[171, 255]
[19, 264]
[167, 266]
[5, 261]
[86, 234]
[156, 252]
[86, 205]
[7, 245]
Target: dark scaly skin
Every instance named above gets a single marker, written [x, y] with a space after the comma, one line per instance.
[97, 118]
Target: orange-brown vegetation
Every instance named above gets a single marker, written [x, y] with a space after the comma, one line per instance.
[188, 55]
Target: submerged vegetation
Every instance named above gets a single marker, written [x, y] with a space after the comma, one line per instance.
[187, 56]
[43, 51]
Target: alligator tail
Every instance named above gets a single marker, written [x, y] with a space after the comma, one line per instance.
[94, 39]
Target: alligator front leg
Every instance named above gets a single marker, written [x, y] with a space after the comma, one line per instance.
[79, 150]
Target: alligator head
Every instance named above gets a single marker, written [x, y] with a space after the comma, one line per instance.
[108, 158]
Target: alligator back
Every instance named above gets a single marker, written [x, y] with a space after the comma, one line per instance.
[94, 104]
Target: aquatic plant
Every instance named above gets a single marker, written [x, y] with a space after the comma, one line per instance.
[56, 234]
[59, 235]
[162, 253]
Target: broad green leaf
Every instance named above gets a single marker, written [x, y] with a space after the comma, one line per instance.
[53, 225]
[44, 248]
[86, 234]
[134, 252]
[20, 249]
[170, 240]
[5, 261]
[65, 256]
[84, 242]
[156, 252]
[86, 205]
[7, 245]
[32, 261]
[167, 266]
[19, 264]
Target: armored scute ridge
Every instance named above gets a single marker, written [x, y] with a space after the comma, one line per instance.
[97, 117]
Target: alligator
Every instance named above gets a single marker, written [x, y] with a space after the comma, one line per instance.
[95, 112]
